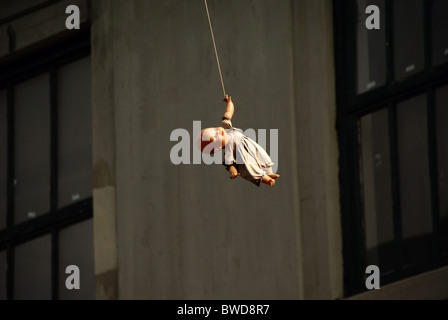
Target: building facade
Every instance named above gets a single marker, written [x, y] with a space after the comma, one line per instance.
[353, 117]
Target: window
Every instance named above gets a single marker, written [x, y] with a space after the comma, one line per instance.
[408, 41]
[32, 269]
[75, 243]
[32, 137]
[371, 49]
[392, 92]
[46, 172]
[377, 187]
[414, 184]
[439, 32]
[74, 133]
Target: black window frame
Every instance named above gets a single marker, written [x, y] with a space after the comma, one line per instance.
[350, 108]
[44, 57]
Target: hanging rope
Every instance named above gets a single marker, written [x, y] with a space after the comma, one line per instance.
[214, 46]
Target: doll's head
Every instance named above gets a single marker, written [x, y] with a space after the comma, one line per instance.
[212, 140]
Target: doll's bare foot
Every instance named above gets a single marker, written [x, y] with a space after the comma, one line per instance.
[234, 175]
[233, 172]
[274, 176]
[268, 180]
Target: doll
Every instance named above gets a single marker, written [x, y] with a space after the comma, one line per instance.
[242, 156]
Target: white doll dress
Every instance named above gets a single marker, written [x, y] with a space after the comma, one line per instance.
[250, 159]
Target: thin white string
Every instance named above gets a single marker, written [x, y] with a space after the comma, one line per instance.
[214, 46]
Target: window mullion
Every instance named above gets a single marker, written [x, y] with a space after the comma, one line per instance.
[10, 272]
[389, 43]
[10, 190]
[427, 34]
[54, 181]
[54, 141]
[395, 175]
[10, 157]
[433, 172]
[55, 264]
[351, 52]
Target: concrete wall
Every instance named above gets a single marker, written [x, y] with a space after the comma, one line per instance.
[187, 231]
[317, 149]
[104, 154]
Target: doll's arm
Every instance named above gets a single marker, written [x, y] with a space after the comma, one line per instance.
[230, 108]
[228, 114]
[233, 172]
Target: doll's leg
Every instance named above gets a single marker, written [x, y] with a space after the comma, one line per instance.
[268, 180]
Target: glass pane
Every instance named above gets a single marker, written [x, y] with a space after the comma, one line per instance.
[439, 12]
[442, 143]
[371, 48]
[377, 191]
[75, 132]
[76, 248]
[32, 270]
[32, 148]
[414, 179]
[408, 37]
[3, 268]
[3, 157]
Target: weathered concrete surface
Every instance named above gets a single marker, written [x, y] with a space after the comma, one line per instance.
[188, 231]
